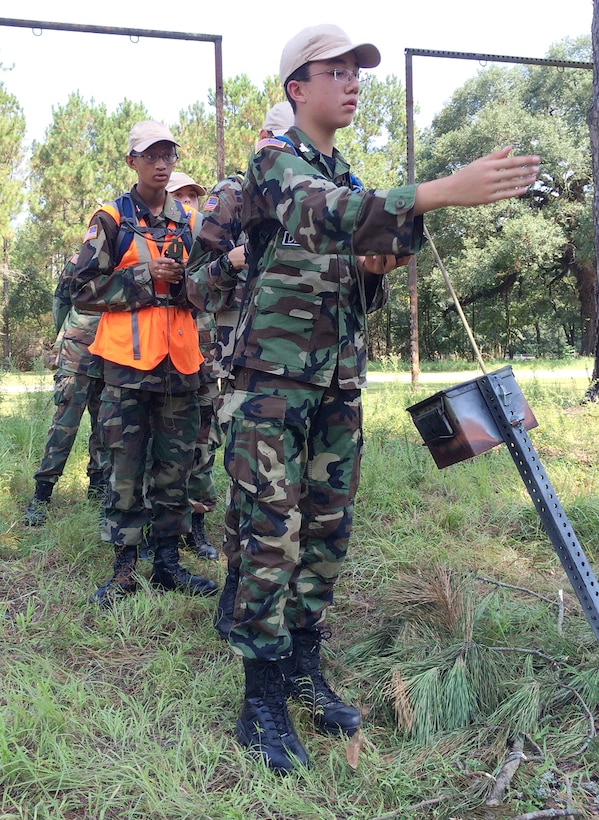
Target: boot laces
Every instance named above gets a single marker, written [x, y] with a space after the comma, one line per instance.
[275, 703]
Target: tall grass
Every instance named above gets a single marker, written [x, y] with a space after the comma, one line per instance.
[130, 713]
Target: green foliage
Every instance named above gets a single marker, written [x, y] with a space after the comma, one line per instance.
[375, 143]
[79, 165]
[12, 135]
[513, 264]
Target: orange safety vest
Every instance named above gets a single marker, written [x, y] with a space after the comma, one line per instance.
[143, 338]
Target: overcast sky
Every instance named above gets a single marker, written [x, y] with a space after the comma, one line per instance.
[168, 76]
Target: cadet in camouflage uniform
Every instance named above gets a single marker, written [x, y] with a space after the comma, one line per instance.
[216, 271]
[201, 486]
[320, 251]
[130, 269]
[77, 385]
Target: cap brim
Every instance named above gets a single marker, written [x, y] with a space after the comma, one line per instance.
[142, 146]
[367, 55]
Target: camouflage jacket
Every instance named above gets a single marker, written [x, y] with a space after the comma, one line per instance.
[306, 315]
[100, 285]
[75, 330]
[212, 285]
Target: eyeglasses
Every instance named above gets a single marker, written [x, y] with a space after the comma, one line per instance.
[340, 75]
[152, 159]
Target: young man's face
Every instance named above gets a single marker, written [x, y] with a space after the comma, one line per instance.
[332, 90]
[155, 165]
[187, 195]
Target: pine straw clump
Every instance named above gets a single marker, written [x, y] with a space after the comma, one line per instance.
[464, 667]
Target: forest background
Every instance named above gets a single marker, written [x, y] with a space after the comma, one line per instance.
[524, 270]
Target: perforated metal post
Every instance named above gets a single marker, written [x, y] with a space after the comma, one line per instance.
[539, 487]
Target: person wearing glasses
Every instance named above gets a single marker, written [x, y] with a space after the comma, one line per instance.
[319, 249]
[130, 270]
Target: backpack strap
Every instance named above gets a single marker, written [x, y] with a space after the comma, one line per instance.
[124, 205]
[129, 225]
[289, 143]
[355, 184]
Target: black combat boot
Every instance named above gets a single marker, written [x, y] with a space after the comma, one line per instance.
[146, 547]
[122, 582]
[197, 540]
[36, 512]
[264, 726]
[306, 683]
[223, 617]
[98, 487]
[169, 574]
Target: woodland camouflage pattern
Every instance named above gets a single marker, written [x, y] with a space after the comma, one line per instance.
[210, 287]
[288, 573]
[294, 440]
[77, 386]
[97, 287]
[136, 404]
[175, 419]
[306, 319]
[73, 393]
[75, 329]
[218, 295]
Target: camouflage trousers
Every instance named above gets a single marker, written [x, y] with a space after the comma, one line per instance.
[202, 489]
[147, 430]
[293, 454]
[231, 547]
[73, 392]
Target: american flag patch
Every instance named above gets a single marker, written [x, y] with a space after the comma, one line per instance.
[272, 142]
[210, 203]
[92, 233]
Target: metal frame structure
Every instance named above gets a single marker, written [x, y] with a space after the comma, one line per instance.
[452, 55]
[134, 33]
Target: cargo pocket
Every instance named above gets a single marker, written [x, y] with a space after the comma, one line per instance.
[64, 389]
[255, 456]
[283, 313]
[110, 418]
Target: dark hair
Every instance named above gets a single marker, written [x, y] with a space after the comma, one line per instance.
[301, 75]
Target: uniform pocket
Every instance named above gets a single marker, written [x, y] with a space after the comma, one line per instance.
[255, 452]
[294, 313]
[64, 389]
[110, 418]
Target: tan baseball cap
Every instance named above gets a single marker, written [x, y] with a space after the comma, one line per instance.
[323, 43]
[180, 180]
[279, 119]
[146, 133]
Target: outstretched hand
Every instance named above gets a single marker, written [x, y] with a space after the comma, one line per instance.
[488, 179]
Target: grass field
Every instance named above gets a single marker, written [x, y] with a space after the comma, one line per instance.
[478, 687]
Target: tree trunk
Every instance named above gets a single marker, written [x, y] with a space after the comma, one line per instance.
[593, 123]
[587, 286]
[508, 322]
